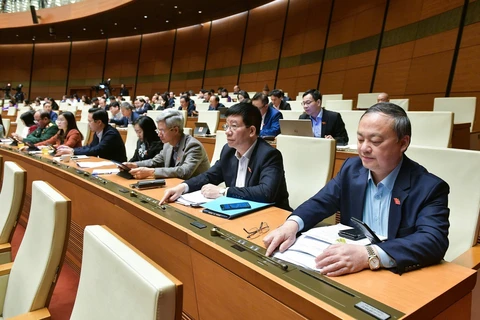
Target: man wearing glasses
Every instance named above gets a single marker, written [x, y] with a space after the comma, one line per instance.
[249, 166]
[182, 156]
[325, 123]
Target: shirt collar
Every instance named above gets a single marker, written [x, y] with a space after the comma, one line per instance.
[319, 116]
[246, 154]
[389, 180]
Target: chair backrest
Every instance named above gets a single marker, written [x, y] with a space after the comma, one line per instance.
[12, 111]
[6, 125]
[85, 130]
[41, 253]
[131, 141]
[433, 129]
[403, 103]
[462, 107]
[337, 105]
[11, 198]
[298, 153]
[187, 131]
[202, 106]
[328, 97]
[21, 111]
[291, 114]
[296, 105]
[461, 170]
[351, 120]
[220, 141]
[211, 118]
[153, 115]
[84, 114]
[366, 100]
[138, 289]
[20, 128]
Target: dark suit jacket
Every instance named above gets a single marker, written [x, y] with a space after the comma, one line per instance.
[123, 122]
[271, 123]
[265, 179]
[111, 147]
[417, 227]
[153, 149]
[333, 125]
[283, 105]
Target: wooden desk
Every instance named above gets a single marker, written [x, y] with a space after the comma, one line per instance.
[220, 283]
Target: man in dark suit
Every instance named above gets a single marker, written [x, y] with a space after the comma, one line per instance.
[107, 142]
[325, 123]
[129, 116]
[278, 103]
[249, 166]
[270, 126]
[123, 90]
[396, 197]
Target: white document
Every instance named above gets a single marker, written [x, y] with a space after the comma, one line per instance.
[88, 164]
[58, 159]
[193, 197]
[105, 171]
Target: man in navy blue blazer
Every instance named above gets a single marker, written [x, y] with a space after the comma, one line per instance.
[270, 126]
[395, 196]
[249, 166]
[129, 116]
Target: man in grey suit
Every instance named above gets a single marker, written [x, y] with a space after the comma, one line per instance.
[182, 156]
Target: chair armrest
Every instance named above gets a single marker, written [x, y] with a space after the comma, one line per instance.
[39, 314]
[470, 258]
[6, 247]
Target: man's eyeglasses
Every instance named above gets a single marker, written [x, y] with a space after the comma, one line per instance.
[232, 127]
[307, 103]
[255, 232]
[163, 130]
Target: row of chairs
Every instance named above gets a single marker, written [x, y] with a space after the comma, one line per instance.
[138, 289]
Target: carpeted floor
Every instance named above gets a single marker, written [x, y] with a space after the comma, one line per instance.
[65, 291]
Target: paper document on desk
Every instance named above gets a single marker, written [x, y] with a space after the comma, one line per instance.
[88, 164]
[195, 198]
[105, 171]
[312, 243]
[58, 159]
[6, 141]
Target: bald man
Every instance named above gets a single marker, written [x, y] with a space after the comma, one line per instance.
[383, 97]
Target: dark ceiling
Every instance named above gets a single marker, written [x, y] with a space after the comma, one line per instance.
[137, 17]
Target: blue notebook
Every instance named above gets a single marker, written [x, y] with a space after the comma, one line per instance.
[213, 207]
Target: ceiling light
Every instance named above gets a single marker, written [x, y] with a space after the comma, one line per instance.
[179, 12]
[33, 39]
[166, 21]
[134, 28]
[17, 35]
[145, 17]
[116, 23]
[175, 7]
[200, 11]
[68, 37]
[84, 29]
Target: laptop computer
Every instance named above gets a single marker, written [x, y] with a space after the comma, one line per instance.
[202, 130]
[222, 110]
[301, 128]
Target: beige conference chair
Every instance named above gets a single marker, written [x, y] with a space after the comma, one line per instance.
[12, 111]
[337, 105]
[211, 118]
[461, 170]
[433, 129]
[463, 107]
[366, 100]
[328, 97]
[85, 131]
[351, 120]
[220, 141]
[27, 284]
[298, 154]
[138, 289]
[11, 200]
[291, 114]
[6, 125]
[187, 131]
[131, 141]
[402, 103]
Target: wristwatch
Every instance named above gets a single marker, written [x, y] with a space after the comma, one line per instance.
[373, 260]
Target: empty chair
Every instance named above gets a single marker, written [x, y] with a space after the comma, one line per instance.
[187, 131]
[296, 105]
[32, 276]
[433, 129]
[211, 118]
[131, 141]
[351, 120]
[402, 103]
[6, 125]
[462, 107]
[137, 289]
[337, 105]
[366, 100]
[20, 128]
[220, 141]
[84, 130]
[328, 97]
[153, 115]
[461, 170]
[291, 114]
[202, 106]
[298, 154]
[11, 199]
[84, 114]
[12, 111]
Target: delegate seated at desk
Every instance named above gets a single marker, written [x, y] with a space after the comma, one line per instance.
[270, 126]
[129, 116]
[182, 156]
[45, 129]
[107, 142]
[395, 196]
[325, 123]
[249, 166]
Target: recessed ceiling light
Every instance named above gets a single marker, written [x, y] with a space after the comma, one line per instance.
[68, 37]
[33, 38]
[200, 11]
[84, 29]
[116, 23]
[17, 35]
[166, 21]
[145, 17]
[179, 12]
[175, 7]
[134, 28]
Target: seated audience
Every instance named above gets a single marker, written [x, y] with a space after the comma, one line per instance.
[270, 116]
[68, 133]
[277, 96]
[141, 106]
[249, 166]
[224, 95]
[95, 102]
[123, 90]
[325, 124]
[29, 121]
[395, 196]
[102, 103]
[243, 96]
[236, 89]
[383, 97]
[47, 107]
[10, 104]
[116, 112]
[148, 144]
[215, 103]
[207, 96]
[182, 156]
[186, 105]
[171, 99]
[45, 129]
[129, 116]
[163, 102]
[53, 103]
[107, 142]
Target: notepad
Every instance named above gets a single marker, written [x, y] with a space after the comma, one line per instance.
[213, 207]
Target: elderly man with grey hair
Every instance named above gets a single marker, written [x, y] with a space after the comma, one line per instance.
[182, 156]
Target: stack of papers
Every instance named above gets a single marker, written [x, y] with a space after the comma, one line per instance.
[312, 243]
[88, 164]
[193, 198]
[105, 171]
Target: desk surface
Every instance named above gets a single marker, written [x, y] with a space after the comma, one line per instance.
[221, 283]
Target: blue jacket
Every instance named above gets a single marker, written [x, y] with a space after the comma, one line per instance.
[111, 147]
[124, 121]
[271, 123]
[418, 221]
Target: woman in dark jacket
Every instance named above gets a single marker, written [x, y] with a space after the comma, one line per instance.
[148, 144]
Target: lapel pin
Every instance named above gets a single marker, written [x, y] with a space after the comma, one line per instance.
[249, 170]
[397, 201]
[323, 122]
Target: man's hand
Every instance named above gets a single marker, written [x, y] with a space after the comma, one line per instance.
[131, 165]
[142, 173]
[283, 236]
[17, 137]
[339, 259]
[328, 137]
[173, 194]
[211, 191]
[64, 150]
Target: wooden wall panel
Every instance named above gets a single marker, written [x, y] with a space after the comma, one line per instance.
[86, 65]
[16, 66]
[50, 69]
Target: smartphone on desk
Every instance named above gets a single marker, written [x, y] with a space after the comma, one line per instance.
[122, 166]
[352, 234]
[235, 206]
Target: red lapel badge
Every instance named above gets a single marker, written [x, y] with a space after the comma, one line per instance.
[323, 122]
[397, 201]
